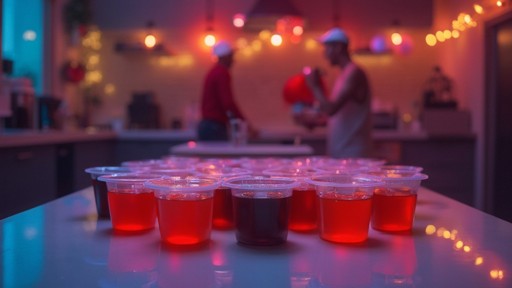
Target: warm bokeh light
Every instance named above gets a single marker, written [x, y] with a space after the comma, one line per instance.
[497, 274]
[396, 39]
[472, 24]
[311, 44]
[264, 35]
[431, 40]
[276, 40]
[499, 3]
[92, 77]
[440, 36]
[461, 18]
[478, 8]
[297, 30]
[455, 34]
[239, 20]
[459, 244]
[256, 45]
[479, 260]
[447, 34]
[93, 60]
[430, 229]
[440, 231]
[209, 40]
[467, 19]
[446, 234]
[241, 43]
[150, 41]
[109, 89]
[454, 234]
[467, 248]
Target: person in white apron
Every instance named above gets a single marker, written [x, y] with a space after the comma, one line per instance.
[348, 108]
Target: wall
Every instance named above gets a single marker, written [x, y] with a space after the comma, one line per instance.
[258, 76]
[464, 59]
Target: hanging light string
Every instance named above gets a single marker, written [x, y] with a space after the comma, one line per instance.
[463, 22]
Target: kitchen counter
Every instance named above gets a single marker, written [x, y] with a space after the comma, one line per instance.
[63, 244]
[35, 137]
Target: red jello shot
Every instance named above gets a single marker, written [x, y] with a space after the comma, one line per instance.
[222, 202]
[261, 207]
[132, 206]
[184, 208]
[303, 204]
[345, 205]
[395, 200]
[100, 187]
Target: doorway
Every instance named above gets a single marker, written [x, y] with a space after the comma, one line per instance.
[499, 117]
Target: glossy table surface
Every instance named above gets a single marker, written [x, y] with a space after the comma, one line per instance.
[63, 244]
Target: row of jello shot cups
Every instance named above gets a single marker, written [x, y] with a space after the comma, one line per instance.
[339, 204]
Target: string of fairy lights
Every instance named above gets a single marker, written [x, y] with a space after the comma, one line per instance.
[464, 21]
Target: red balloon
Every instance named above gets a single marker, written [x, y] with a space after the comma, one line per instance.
[296, 90]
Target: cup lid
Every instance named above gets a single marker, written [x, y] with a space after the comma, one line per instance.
[183, 184]
[261, 183]
[215, 170]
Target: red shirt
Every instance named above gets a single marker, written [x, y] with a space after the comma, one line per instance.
[217, 98]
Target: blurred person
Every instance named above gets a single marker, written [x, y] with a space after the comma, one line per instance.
[347, 112]
[218, 105]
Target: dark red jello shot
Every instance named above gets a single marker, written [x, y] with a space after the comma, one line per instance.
[261, 206]
[100, 187]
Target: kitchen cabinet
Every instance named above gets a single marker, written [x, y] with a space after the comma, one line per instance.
[27, 177]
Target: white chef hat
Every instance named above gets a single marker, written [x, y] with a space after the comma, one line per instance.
[222, 48]
[334, 35]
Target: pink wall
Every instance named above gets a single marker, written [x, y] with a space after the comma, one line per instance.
[258, 78]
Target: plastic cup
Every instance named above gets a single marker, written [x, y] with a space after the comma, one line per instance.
[222, 199]
[403, 170]
[132, 206]
[184, 208]
[261, 207]
[100, 187]
[345, 205]
[303, 203]
[395, 200]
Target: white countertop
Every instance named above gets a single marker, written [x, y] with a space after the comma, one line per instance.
[62, 244]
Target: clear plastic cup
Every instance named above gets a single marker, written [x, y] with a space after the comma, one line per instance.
[303, 203]
[132, 206]
[345, 205]
[100, 187]
[184, 208]
[395, 200]
[222, 199]
[171, 172]
[261, 207]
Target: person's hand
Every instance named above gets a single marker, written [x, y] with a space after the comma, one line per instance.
[312, 77]
[310, 118]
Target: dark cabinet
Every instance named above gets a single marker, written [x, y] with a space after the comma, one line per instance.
[27, 178]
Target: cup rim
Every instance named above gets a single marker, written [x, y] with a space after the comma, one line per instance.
[128, 177]
[104, 170]
[169, 184]
[405, 177]
[287, 183]
[358, 180]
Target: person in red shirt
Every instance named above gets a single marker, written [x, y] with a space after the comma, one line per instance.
[218, 105]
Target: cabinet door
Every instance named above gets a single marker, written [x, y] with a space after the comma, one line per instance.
[90, 154]
[27, 178]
